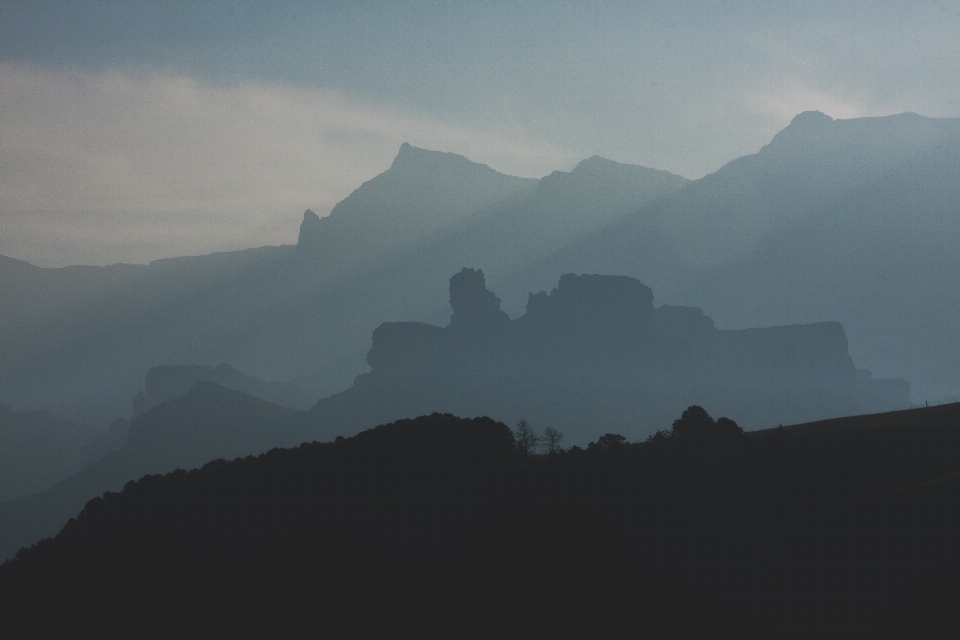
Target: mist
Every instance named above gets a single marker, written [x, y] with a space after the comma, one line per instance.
[362, 308]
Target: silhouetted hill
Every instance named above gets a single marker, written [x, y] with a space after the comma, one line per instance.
[595, 355]
[832, 220]
[37, 450]
[440, 526]
[206, 423]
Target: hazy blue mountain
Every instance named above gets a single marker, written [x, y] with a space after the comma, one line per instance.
[304, 314]
[846, 220]
[37, 450]
[849, 220]
[206, 423]
[565, 207]
[881, 257]
[412, 284]
[77, 341]
[169, 381]
[166, 382]
[595, 356]
[422, 192]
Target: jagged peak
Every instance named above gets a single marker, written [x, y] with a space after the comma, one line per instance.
[410, 157]
[472, 303]
[804, 126]
[309, 229]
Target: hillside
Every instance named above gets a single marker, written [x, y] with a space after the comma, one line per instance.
[428, 523]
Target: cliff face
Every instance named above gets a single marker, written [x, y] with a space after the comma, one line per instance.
[594, 355]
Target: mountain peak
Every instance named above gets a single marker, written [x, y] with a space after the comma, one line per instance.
[810, 119]
[596, 162]
[414, 158]
[804, 129]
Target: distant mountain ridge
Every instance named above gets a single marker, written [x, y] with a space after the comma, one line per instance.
[850, 220]
[833, 220]
[302, 314]
[422, 192]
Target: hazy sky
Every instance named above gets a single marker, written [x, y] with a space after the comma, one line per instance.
[132, 131]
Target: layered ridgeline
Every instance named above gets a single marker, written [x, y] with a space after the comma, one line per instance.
[167, 382]
[206, 423]
[834, 220]
[441, 527]
[851, 220]
[591, 357]
[77, 340]
[216, 412]
[594, 355]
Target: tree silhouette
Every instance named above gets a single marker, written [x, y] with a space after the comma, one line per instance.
[729, 429]
[607, 443]
[551, 440]
[527, 440]
[693, 422]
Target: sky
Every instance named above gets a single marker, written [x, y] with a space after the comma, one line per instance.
[131, 131]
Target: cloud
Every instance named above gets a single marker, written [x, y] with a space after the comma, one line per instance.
[133, 165]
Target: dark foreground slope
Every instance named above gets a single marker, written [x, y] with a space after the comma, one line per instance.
[439, 526]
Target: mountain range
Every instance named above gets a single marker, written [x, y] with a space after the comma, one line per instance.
[592, 357]
[833, 220]
[76, 339]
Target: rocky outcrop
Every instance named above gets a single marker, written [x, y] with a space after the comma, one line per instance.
[474, 306]
[594, 356]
